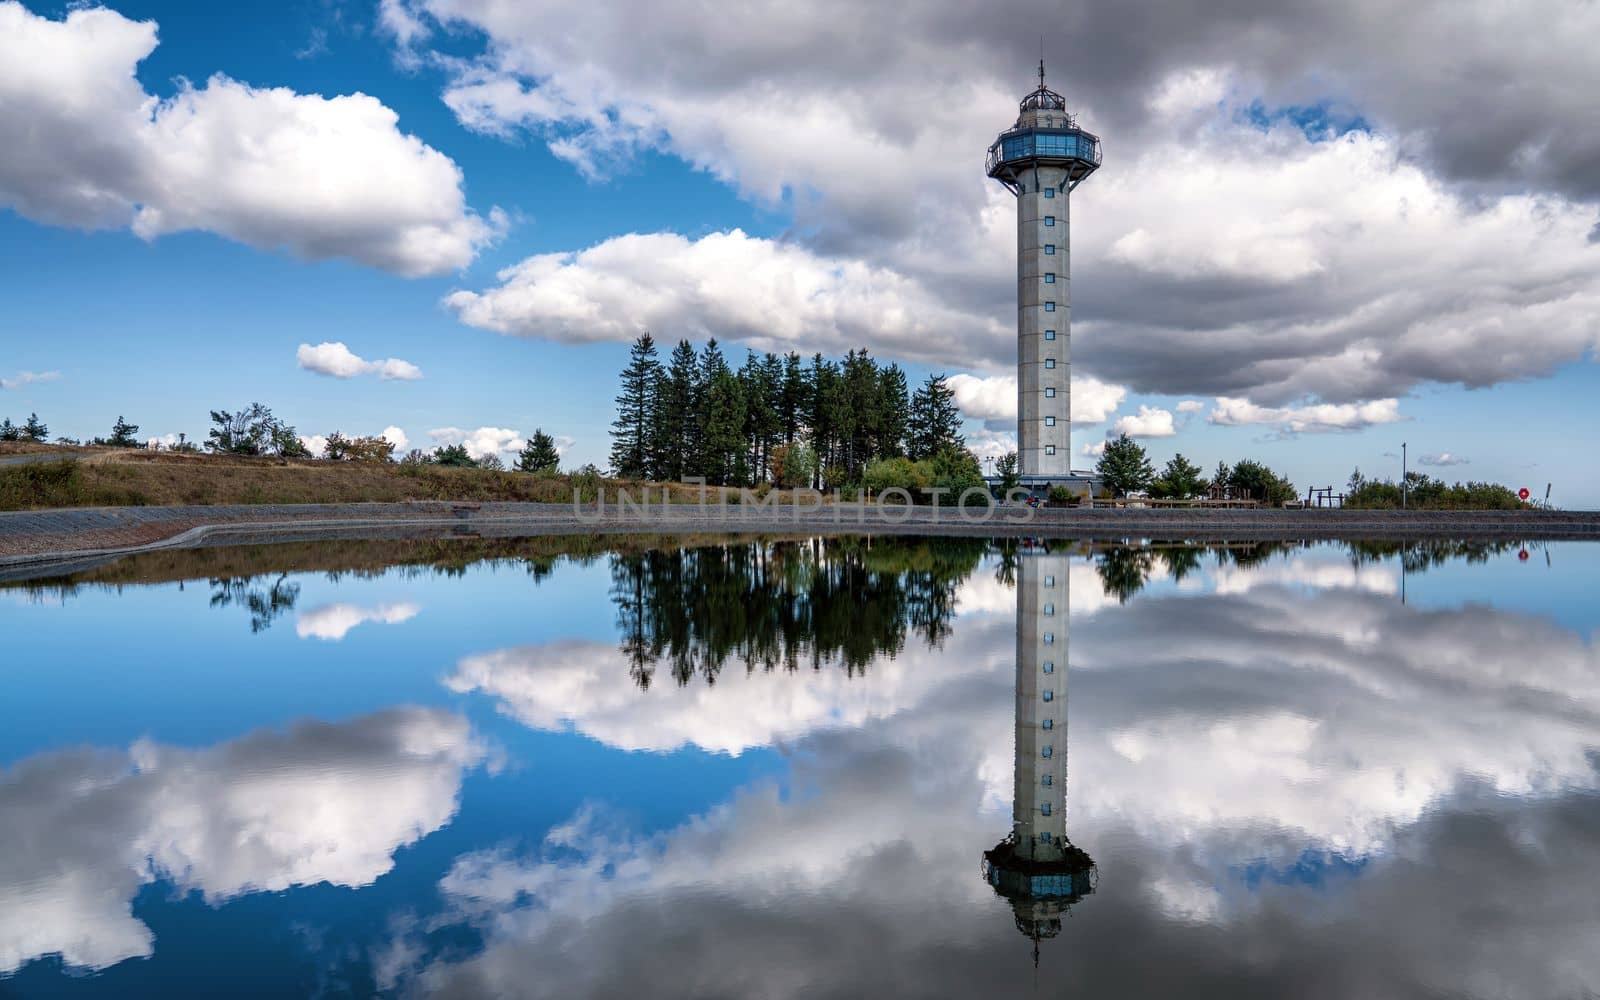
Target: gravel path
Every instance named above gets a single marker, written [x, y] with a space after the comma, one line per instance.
[31, 538]
[48, 456]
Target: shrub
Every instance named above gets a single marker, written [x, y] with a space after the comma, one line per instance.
[41, 484]
[1256, 481]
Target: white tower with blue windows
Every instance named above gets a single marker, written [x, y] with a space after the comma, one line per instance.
[1041, 159]
[1037, 868]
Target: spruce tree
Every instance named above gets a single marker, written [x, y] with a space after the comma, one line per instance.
[760, 417]
[1180, 480]
[722, 427]
[894, 408]
[935, 420]
[796, 397]
[677, 447]
[631, 432]
[539, 454]
[824, 414]
[9, 431]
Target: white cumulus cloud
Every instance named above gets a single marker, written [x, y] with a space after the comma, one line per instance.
[322, 177]
[994, 397]
[732, 286]
[320, 802]
[480, 443]
[21, 379]
[1191, 406]
[396, 437]
[334, 358]
[334, 621]
[1150, 421]
[1444, 458]
[1231, 412]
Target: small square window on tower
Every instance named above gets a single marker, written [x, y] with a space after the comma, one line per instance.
[1049, 278]
[1049, 192]
[1049, 335]
[1048, 724]
[1049, 667]
[1049, 248]
[1044, 808]
[1049, 394]
[1049, 362]
[1049, 695]
[1049, 449]
[1049, 220]
[1049, 421]
[1049, 307]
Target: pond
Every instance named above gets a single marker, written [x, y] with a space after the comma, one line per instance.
[778, 767]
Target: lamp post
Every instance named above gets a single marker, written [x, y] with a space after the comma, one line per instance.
[1403, 483]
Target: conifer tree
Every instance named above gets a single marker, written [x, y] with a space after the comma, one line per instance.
[935, 421]
[631, 432]
[796, 394]
[677, 450]
[894, 406]
[123, 435]
[1124, 467]
[722, 426]
[35, 429]
[539, 454]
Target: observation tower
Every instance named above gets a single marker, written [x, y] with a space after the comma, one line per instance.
[1040, 160]
[1037, 869]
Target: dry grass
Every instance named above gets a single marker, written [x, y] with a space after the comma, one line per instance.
[360, 558]
[142, 478]
[40, 448]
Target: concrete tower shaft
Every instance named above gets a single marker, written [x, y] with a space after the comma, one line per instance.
[1039, 800]
[1041, 159]
[1036, 867]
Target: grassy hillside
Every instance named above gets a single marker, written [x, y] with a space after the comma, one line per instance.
[104, 477]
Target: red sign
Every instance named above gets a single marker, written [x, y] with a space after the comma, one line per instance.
[1523, 493]
[1523, 555]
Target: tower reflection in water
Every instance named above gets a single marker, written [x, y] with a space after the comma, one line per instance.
[1036, 867]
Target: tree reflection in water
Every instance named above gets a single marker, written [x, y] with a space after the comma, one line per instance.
[785, 604]
[264, 603]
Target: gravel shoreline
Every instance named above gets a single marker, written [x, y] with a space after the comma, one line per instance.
[29, 538]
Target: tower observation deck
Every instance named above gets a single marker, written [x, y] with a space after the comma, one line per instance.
[1040, 160]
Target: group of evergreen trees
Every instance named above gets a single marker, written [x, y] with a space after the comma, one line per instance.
[785, 605]
[1125, 469]
[776, 418]
[34, 430]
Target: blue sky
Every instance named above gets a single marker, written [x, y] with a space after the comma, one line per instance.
[1232, 282]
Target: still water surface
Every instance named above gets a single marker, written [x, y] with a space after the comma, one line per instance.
[809, 767]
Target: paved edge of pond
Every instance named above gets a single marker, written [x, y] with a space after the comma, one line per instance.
[74, 535]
